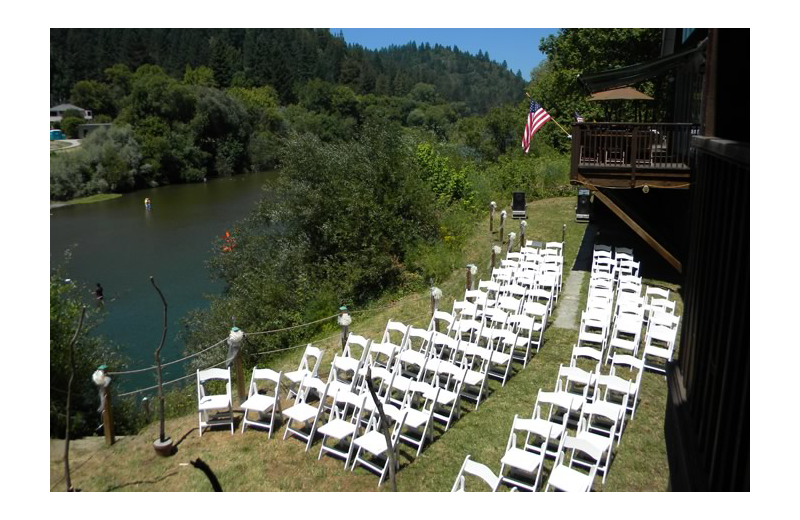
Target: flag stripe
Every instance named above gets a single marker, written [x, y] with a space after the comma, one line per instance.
[537, 117]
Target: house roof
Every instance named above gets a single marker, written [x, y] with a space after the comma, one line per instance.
[63, 107]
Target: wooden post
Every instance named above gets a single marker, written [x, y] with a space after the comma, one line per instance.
[563, 236]
[494, 259]
[492, 207]
[522, 225]
[344, 323]
[108, 418]
[469, 278]
[240, 377]
[502, 225]
[234, 357]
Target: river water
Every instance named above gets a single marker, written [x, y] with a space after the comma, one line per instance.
[121, 244]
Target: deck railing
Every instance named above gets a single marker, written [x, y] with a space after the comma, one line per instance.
[632, 146]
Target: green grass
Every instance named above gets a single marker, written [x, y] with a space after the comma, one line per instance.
[100, 197]
[251, 462]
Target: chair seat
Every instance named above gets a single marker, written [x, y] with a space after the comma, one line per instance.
[412, 356]
[659, 352]
[522, 460]
[373, 441]
[568, 479]
[500, 358]
[296, 376]
[338, 429]
[338, 386]
[601, 442]
[348, 363]
[624, 344]
[214, 402]
[416, 418]
[474, 378]
[446, 397]
[258, 402]
[301, 412]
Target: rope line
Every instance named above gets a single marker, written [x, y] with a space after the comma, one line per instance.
[168, 382]
[292, 327]
[167, 364]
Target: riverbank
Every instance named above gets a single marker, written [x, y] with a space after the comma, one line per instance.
[100, 197]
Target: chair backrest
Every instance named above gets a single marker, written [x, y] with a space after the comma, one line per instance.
[476, 469]
[655, 292]
[509, 304]
[623, 251]
[263, 374]
[477, 297]
[585, 353]
[355, 340]
[626, 360]
[311, 352]
[309, 384]
[444, 316]
[212, 374]
[400, 331]
[418, 339]
[585, 447]
[494, 318]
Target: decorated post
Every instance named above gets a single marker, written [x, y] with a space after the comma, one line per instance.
[436, 295]
[495, 252]
[235, 341]
[103, 382]
[344, 322]
[522, 225]
[471, 270]
[511, 237]
[502, 225]
[492, 207]
[563, 233]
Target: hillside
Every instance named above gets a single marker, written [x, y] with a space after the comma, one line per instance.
[284, 59]
[252, 462]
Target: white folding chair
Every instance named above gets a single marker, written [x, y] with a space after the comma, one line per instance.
[476, 469]
[303, 412]
[522, 327]
[309, 366]
[373, 442]
[214, 409]
[262, 404]
[659, 345]
[418, 420]
[446, 393]
[617, 385]
[564, 476]
[521, 460]
[343, 423]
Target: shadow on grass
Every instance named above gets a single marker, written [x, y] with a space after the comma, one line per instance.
[137, 482]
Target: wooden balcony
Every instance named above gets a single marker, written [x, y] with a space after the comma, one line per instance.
[630, 155]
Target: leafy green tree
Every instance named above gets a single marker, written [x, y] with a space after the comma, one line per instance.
[95, 96]
[70, 126]
[201, 76]
[424, 93]
[90, 351]
[448, 184]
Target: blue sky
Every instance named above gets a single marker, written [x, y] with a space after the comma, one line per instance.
[518, 47]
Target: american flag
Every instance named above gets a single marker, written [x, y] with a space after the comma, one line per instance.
[537, 117]
[578, 118]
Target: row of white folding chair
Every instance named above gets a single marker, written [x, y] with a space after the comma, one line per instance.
[605, 385]
[346, 416]
[513, 323]
[660, 337]
[509, 298]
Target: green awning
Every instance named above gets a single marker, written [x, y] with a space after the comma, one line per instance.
[632, 74]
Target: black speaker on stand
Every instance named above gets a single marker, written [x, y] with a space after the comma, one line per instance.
[518, 205]
[583, 211]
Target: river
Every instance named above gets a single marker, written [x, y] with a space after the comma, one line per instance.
[120, 244]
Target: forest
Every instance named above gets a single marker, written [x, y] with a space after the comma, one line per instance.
[192, 104]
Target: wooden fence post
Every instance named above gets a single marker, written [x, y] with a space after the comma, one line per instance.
[563, 235]
[235, 341]
[502, 225]
[511, 237]
[522, 225]
[469, 278]
[103, 382]
[494, 257]
[492, 207]
[344, 322]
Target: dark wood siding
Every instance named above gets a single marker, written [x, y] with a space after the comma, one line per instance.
[708, 413]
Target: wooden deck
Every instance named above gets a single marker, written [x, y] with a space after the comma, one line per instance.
[630, 155]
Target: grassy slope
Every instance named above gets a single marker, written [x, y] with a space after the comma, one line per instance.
[252, 462]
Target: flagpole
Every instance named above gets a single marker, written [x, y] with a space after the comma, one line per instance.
[554, 120]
